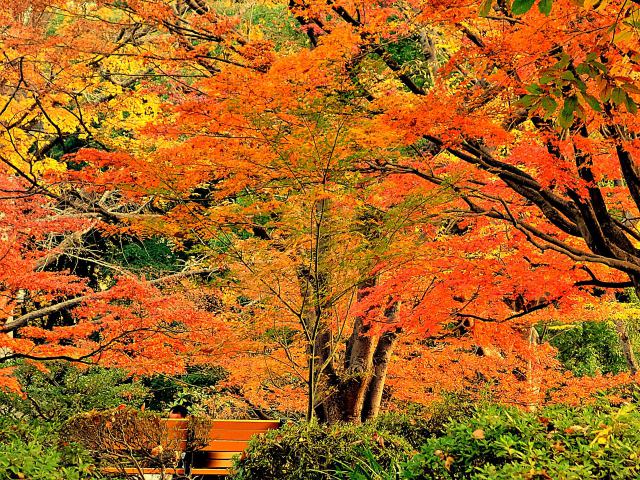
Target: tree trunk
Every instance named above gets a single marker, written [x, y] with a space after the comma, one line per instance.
[534, 341]
[314, 286]
[381, 359]
[358, 363]
[358, 377]
[627, 347]
[356, 395]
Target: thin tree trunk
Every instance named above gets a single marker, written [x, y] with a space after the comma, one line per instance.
[534, 341]
[314, 284]
[627, 347]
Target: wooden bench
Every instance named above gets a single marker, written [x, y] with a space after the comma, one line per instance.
[227, 439]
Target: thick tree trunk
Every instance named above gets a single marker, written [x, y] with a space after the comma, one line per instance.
[381, 360]
[344, 392]
[358, 363]
[358, 373]
[356, 395]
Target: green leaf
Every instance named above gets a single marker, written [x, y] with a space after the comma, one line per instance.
[546, 79]
[570, 103]
[631, 88]
[544, 6]
[528, 100]
[568, 75]
[582, 69]
[630, 104]
[485, 8]
[592, 101]
[520, 7]
[565, 120]
[581, 85]
[591, 56]
[618, 96]
[549, 105]
[563, 62]
[533, 89]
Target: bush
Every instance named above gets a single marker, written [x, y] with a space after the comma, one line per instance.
[588, 348]
[415, 429]
[194, 388]
[315, 452]
[148, 440]
[416, 423]
[559, 442]
[32, 451]
[65, 390]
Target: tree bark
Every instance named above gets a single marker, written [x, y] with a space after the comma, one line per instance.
[627, 347]
[314, 285]
[358, 362]
[534, 341]
[356, 394]
[358, 372]
[381, 360]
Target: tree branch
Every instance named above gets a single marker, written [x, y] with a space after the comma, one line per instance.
[42, 312]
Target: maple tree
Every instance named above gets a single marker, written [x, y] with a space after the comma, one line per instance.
[442, 171]
[70, 290]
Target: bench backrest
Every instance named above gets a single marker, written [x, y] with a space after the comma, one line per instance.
[177, 432]
[228, 438]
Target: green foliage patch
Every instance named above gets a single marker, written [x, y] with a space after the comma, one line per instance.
[589, 348]
[149, 256]
[190, 389]
[63, 391]
[556, 443]
[33, 451]
[317, 452]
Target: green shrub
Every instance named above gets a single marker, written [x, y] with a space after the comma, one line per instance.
[367, 467]
[193, 388]
[414, 428]
[558, 442]
[32, 451]
[65, 391]
[314, 452]
[588, 348]
[417, 422]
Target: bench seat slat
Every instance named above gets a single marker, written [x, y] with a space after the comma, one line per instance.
[225, 446]
[210, 471]
[233, 434]
[257, 425]
[215, 455]
[212, 463]
[133, 470]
